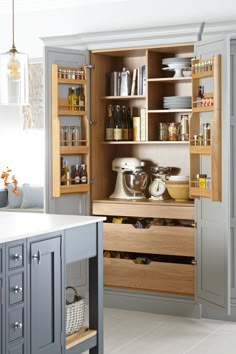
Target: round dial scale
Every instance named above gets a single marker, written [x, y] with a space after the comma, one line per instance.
[157, 188]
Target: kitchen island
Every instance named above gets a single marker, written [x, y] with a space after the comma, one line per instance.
[34, 252]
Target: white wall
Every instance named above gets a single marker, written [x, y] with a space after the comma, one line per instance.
[21, 150]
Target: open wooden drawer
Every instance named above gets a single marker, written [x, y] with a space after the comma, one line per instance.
[156, 276]
[168, 240]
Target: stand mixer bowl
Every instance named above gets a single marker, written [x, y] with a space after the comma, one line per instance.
[135, 181]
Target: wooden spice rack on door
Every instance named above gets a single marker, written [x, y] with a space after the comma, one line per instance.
[60, 108]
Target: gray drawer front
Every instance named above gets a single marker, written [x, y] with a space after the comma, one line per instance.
[16, 256]
[80, 243]
[19, 349]
[16, 288]
[16, 325]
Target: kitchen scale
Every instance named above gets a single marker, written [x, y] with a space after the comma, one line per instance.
[157, 188]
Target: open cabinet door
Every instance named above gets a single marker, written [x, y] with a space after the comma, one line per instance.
[213, 217]
[72, 202]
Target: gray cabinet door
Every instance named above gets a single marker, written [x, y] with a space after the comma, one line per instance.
[213, 218]
[76, 204]
[45, 296]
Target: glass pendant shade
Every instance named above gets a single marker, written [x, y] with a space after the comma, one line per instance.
[14, 78]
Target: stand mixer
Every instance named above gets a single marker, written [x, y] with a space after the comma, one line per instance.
[131, 180]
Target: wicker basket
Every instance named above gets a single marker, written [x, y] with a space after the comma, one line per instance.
[74, 313]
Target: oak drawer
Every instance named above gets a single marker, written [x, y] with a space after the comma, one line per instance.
[171, 240]
[157, 276]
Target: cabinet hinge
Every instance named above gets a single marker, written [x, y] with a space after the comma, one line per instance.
[90, 66]
[194, 224]
[92, 181]
[92, 122]
[194, 262]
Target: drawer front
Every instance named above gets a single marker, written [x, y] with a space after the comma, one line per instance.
[168, 240]
[80, 242]
[16, 325]
[16, 288]
[19, 349]
[16, 257]
[156, 276]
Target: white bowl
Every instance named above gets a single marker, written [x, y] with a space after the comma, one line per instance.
[179, 178]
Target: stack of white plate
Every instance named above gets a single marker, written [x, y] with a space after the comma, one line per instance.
[177, 65]
[177, 102]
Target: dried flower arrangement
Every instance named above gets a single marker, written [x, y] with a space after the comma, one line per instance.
[8, 178]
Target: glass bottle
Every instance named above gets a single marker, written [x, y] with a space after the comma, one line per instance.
[130, 124]
[124, 123]
[109, 128]
[117, 124]
[76, 175]
[81, 99]
[200, 95]
[73, 99]
[66, 175]
[83, 174]
[62, 171]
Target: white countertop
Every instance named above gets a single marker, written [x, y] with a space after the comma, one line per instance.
[15, 226]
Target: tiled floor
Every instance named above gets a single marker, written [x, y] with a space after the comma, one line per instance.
[129, 332]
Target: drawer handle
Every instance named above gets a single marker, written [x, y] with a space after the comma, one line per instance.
[17, 289]
[37, 257]
[194, 262]
[18, 325]
[17, 257]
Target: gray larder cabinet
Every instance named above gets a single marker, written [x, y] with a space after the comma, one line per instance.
[213, 218]
[45, 296]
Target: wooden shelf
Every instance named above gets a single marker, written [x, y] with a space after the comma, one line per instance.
[203, 75]
[146, 142]
[171, 79]
[82, 335]
[182, 110]
[136, 97]
[75, 188]
[74, 150]
[200, 150]
[200, 192]
[72, 81]
[67, 112]
[203, 109]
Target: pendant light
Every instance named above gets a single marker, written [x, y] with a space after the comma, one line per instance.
[14, 76]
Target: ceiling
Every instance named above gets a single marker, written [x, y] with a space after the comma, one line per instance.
[23, 6]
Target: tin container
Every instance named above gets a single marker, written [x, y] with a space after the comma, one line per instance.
[163, 133]
[114, 83]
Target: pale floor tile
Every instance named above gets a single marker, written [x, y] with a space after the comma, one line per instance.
[129, 332]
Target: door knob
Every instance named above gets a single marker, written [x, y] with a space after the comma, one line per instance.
[37, 256]
[17, 257]
[18, 325]
[17, 289]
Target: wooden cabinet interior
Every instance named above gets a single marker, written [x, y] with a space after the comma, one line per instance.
[202, 114]
[159, 83]
[62, 114]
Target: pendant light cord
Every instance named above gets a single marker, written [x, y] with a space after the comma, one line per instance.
[13, 26]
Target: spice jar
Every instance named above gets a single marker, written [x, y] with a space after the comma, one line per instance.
[206, 133]
[173, 129]
[202, 181]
